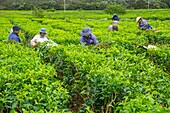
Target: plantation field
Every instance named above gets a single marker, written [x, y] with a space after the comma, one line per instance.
[111, 77]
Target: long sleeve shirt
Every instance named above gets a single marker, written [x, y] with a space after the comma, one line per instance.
[14, 36]
[90, 40]
[143, 25]
[38, 38]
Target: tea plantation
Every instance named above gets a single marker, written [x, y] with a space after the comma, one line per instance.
[111, 77]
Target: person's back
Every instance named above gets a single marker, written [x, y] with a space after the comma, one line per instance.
[113, 28]
[115, 17]
[143, 24]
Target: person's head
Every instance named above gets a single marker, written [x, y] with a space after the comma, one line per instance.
[43, 32]
[138, 19]
[16, 29]
[115, 14]
[86, 32]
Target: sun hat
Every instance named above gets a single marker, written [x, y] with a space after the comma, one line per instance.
[43, 30]
[16, 28]
[86, 31]
[137, 19]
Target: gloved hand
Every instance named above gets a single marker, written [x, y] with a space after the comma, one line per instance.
[91, 42]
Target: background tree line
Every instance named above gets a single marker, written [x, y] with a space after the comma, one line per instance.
[82, 4]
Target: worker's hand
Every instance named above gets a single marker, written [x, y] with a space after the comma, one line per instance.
[35, 45]
[91, 41]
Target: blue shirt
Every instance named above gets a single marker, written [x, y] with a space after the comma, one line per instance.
[90, 40]
[14, 36]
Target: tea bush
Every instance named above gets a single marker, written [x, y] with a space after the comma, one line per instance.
[115, 8]
[27, 84]
[113, 76]
[37, 12]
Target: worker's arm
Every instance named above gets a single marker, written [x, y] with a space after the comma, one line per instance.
[17, 39]
[33, 42]
[82, 41]
[95, 39]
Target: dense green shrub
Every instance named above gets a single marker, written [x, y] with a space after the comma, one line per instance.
[113, 76]
[159, 5]
[110, 82]
[37, 12]
[116, 8]
[26, 84]
[51, 10]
